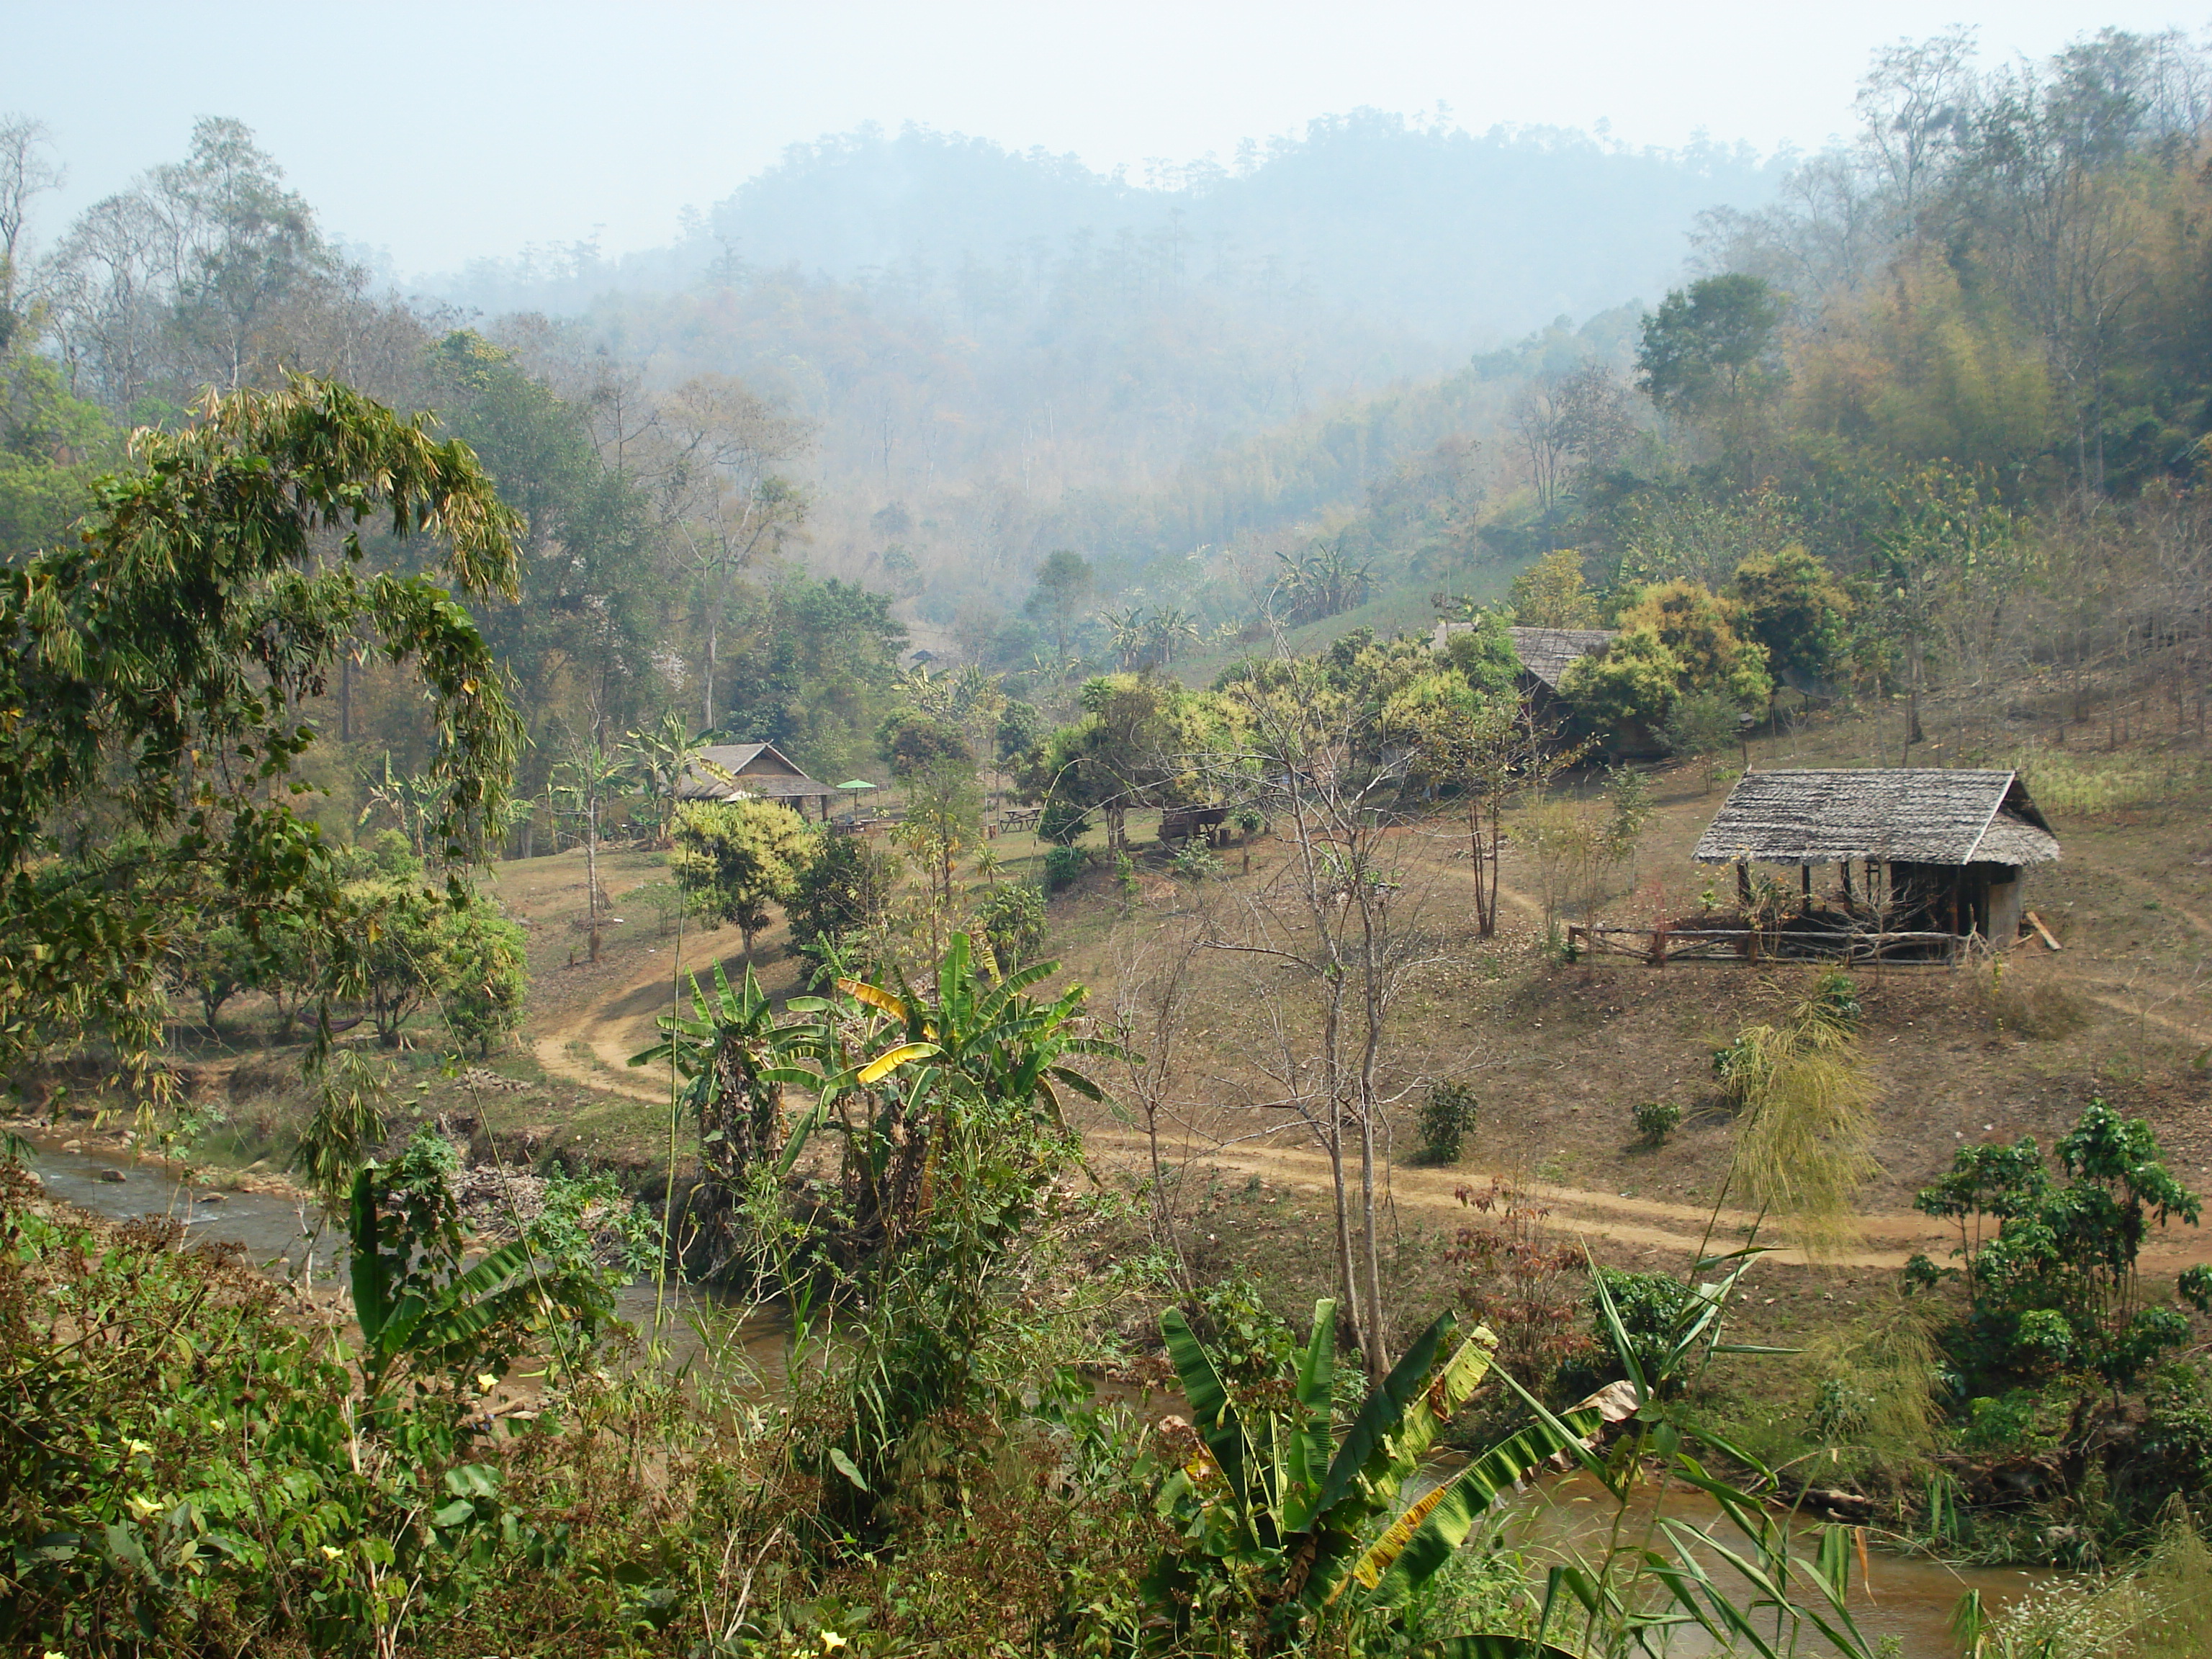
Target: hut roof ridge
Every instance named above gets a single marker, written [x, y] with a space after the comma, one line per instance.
[1916, 815]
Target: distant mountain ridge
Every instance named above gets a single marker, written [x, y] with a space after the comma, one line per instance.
[1466, 238]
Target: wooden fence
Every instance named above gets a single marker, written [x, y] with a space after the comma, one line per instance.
[1660, 945]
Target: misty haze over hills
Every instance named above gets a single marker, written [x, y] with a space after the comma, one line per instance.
[1420, 227]
[1011, 351]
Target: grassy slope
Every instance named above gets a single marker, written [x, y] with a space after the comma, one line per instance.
[1558, 1054]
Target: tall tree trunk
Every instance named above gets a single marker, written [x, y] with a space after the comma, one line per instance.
[592, 866]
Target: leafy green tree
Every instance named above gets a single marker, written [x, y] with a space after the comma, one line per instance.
[1061, 821]
[738, 857]
[912, 741]
[159, 665]
[1710, 347]
[1632, 681]
[52, 447]
[486, 976]
[1020, 727]
[1794, 609]
[214, 960]
[1484, 655]
[1702, 725]
[841, 899]
[398, 958]
[1064, 584]
[1552, 593]
[2056, 1290]
[595, 597]
[1476, 744]
[1140, 741]
[1012, 923]
[1677, 638]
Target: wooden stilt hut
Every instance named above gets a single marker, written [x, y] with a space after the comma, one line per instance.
[1937, 851]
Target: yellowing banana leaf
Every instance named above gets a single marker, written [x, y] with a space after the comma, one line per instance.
[891, 1059]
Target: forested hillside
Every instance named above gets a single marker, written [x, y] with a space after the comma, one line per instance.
[992, 912]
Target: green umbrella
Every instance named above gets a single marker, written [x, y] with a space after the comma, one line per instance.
[853, 785]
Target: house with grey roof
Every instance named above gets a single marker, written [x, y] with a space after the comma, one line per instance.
[1937, 850]
[752, 771]
[1545, 654]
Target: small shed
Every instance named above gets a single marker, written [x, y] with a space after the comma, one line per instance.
[752, 771]
[1939, 850]
[1545, 654]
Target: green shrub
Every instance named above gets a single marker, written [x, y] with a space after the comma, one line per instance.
[1656, 1119]
[1064, 867]
[1837, 997]
[487, 977]
[1194, 862]
[1650, 1306]
[1445, 1118]
[1011, 923]
[1062, 822]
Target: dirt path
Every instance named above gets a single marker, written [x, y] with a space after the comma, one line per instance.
[621, 1023]
[1886, 1239]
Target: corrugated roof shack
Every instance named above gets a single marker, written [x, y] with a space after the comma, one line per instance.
[742, 771]
[1939, 852]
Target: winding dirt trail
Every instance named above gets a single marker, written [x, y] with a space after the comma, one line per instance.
[621, 1023]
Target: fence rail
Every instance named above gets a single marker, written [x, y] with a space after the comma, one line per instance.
[1664, 945]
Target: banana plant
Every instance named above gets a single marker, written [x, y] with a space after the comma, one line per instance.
[418, 1310]
[1275, 1509]
[990, 1046]
[735, 1061]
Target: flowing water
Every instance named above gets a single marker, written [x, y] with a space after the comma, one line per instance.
[282, 1236]
[1907, 1597]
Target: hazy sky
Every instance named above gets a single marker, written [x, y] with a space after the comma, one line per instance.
[446, 132]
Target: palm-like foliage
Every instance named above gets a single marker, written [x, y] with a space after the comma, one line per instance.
[735, 1061]
[1277, 1512]
[949, 1107]
[1167, 630]
[976, 1058]
[412, 798]
[659, 757]
[1281, 1527]
[1324, 580]
[1127, 633]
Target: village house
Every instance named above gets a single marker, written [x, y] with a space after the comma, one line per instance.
[752, 771]
[1938, 851]
[1545, 654]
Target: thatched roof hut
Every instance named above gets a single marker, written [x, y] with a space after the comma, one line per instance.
[1904, 815]
[1545, 653]
[1941, 850]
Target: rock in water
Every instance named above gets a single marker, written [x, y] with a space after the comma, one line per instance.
[113, 1174]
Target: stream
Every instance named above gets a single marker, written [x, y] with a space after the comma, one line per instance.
[1910, 1598]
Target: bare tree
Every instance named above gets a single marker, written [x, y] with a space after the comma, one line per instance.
[1340, 926]
[723, 449]
[27, 172]
[1578, 419]
[1156, 991]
